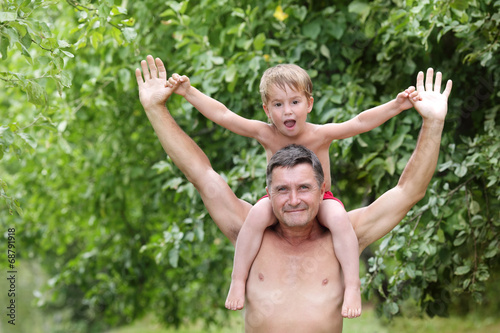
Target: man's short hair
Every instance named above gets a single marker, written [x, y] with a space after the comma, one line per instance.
[285, 75]
[293, 155]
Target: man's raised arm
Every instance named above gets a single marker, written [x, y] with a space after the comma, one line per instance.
[227, 211]
[373, 222]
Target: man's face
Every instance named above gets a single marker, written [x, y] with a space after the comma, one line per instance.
[295, 195]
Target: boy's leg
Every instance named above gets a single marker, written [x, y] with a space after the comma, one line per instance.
[247, 246]
[333, 216]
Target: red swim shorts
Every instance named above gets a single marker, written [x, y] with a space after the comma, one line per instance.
[327, 196]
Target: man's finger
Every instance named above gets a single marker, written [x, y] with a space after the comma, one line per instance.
[161, 69]
[437, 83]
[145, 70]
[428, 79]
[152, 66]
[420, 82]
[447, 90]
[138, 76]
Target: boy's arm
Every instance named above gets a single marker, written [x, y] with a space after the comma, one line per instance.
[371, 118]
[375, 221]
[215, 110]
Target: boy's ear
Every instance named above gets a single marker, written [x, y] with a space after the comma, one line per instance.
[264, 106]
[311, 103]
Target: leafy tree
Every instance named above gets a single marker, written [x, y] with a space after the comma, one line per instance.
[123, 233]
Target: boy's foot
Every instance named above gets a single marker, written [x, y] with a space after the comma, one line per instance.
[236, 297]
[352, 303]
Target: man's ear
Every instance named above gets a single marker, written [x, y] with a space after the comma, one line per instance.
[267, 191]
[323, 189]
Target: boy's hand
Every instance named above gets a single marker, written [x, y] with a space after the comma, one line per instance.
[406, 98]
[432, 103]
[152, 90]
[179, 84]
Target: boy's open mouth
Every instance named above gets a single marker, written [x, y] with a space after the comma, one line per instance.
[290, 123]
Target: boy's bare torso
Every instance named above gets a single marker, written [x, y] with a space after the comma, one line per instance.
[294, 287]
[273, 141]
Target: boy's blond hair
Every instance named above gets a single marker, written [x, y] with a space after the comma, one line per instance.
[285, 75]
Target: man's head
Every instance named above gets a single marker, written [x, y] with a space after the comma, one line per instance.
[295, 184]
[291, 156]
[282, 76]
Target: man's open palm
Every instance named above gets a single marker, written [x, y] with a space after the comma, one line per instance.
[432, 103]
[152, 90]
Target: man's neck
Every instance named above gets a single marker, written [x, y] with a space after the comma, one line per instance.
[298, 235]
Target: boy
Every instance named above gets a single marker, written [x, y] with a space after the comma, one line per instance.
[286, 92]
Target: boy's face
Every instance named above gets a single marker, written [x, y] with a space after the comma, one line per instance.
[287, 109]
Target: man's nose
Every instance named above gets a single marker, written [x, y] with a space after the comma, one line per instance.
[294, 199]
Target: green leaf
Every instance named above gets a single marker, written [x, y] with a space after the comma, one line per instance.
[66, 78]
[462, 270]
[361, 8]
[259, 41]
[129, 34]
[6, 135]
[28, 139]
[68, 54]
[461, 170]
[325, 51]
[36, 94]
[231, 73]
[396, 142]
[173, 257]
[7, 16]
[312, 29]
[459, 4]
[63, 44]
[4, 43]
[391, 307]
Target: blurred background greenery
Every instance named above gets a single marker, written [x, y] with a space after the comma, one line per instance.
[109, 232]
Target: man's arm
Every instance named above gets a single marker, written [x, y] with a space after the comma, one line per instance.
[371, 118]
[227, 211]
[375, 221]
[215, 110]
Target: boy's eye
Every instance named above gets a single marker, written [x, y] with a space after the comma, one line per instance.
[295, 102]
[277, 104]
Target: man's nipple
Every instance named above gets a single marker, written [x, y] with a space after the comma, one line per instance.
[261, 276]
[325, 282]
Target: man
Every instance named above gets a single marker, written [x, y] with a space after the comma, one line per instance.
[295, 284]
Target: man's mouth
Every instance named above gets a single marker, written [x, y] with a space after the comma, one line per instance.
[290, 123]
[294, 209]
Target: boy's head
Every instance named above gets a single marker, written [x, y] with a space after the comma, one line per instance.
[285, 75]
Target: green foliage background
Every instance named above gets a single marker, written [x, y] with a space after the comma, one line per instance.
[94, 198]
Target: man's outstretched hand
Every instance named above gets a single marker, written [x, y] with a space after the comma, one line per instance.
[432, 104]
[152, 90]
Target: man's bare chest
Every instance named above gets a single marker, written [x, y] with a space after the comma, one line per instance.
[297, 271]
